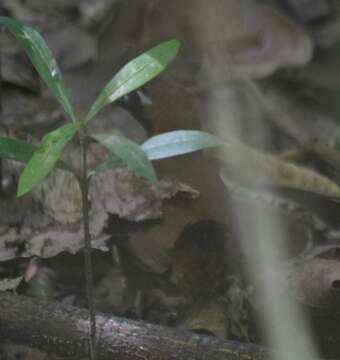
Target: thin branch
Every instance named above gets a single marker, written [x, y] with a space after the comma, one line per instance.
[84, 184]
[1, 106]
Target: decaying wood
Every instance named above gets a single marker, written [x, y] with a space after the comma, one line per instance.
[54, 328]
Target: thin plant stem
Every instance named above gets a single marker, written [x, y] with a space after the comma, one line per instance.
[1, 108]
[84, 184]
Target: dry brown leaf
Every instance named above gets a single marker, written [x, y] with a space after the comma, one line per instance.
[49, 222]
[314, 278]
[121, 192]
[10, 284]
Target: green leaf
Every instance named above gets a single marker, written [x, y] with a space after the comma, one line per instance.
[45, 157]
[17, 150]
[112, 162]
[42, 59]
[12, 149]
[135, 74]
[129, 152]
[178, 142]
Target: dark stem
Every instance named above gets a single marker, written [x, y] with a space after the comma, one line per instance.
[1, 109]
[84, 184]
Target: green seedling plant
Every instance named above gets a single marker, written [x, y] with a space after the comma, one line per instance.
[43, 158]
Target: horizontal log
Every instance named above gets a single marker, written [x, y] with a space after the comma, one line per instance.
[55, 328]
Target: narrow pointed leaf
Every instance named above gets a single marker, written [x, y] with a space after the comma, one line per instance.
[45, 157]
[135, 74]
[178, 142]
[112, 162]
[42, 59]
[17, 150]
[129, 153]
[12, 149]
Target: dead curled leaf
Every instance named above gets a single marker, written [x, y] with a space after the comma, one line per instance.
[258, 168]
[50, 223]
[150, 243]
[50, 239]
[60, 197]
[121, 192]
[314, 278]
[10, 284]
